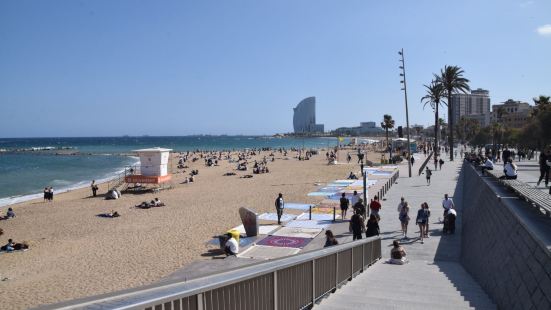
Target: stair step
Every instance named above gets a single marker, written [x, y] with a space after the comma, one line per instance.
[354, 302]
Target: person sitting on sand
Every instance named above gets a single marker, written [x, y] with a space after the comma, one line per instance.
[191, 179]
[397, 254]
[232, 246]
[9, 247]
[158, 203]
[10, 213]
[352, 176]
[330, 239]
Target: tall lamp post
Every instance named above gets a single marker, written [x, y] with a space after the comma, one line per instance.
[364, 176]
[403, 75]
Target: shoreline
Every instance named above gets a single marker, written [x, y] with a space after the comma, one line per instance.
[17, 199]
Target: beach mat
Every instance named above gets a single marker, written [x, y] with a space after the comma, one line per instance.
[309, 224]
[284, 241]
[330, 188]
[317, 216]
[320, 194]
[297, 206]
[325, 210]
[273, 217]
[346, 182]
[298, 232]
[267, 252]
[262, 229]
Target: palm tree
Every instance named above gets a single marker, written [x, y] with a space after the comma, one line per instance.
[452, 80]
[386, 124]
[542, 103]
[435, 93]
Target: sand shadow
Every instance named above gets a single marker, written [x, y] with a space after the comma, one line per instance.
[214, 254]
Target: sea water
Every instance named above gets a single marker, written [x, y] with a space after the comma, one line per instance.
[28, 165]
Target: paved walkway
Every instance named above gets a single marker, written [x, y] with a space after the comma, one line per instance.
[434, 278]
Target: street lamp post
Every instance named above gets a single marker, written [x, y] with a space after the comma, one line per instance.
[364, 177]
[403, 75]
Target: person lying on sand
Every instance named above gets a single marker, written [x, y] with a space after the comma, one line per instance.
[144, 205]
[12, 246]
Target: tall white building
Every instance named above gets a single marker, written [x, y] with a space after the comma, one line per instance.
[304, 117]
[475, 105]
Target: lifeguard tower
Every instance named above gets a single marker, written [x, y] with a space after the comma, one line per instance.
[153, 167]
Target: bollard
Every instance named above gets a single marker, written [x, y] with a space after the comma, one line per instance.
[334, 215]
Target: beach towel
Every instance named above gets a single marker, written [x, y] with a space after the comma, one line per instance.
[330, 189]
[326, 210]
[267, 252]
[262, 229]
[284, 241]
[273, 217]
[309, 224]
[317, 216]
[343, 181]
[321, 194]
[297, 206]
[298, 232]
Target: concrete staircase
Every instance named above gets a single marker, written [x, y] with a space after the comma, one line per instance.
[417, 285]
[434, 277]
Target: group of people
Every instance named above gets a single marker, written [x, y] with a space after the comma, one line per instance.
[153, 203]
[422, 219]
[48, 194]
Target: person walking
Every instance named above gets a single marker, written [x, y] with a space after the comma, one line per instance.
[426, 206]
[435, 163]
[344, 202]
[403, 216]
[357, 226]
[441, 162]
[94, 188]
[372, 227]
[51, 194]
[375, 207]
[428, 173]
[421, 220]
[279, 205]
[544, 167]
[360, 207]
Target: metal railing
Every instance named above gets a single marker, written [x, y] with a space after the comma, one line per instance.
[425, 163]
[294, 282]
[388, 184]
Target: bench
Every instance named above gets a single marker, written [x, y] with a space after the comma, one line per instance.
[529, 193]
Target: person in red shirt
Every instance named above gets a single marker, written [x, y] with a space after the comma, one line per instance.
[375, 206]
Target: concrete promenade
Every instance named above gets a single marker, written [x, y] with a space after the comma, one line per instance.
[434, 278]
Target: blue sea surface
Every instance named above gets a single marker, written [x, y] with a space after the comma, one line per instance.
[24, 173]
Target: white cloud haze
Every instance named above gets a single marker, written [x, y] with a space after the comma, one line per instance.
[544, 30]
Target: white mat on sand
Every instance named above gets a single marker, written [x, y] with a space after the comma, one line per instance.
[298, 206]
[309, 224]
[273, 217]
[267, 252]
[317, 216]
[262, 229]
[298, 232]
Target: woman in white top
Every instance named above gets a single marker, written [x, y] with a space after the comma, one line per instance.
[510, 170]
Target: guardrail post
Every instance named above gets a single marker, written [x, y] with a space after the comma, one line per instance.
[363, 257]
[313, 282]
[275, 290]
[351, 263]
[200, 301]
[336, 270]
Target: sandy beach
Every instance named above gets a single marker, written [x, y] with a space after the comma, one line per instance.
[74, 253]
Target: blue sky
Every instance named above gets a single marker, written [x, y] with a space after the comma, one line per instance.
[97, 68]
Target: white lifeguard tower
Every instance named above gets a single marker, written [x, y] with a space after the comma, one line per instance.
[153, 166]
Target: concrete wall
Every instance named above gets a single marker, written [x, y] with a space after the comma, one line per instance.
[499, 249]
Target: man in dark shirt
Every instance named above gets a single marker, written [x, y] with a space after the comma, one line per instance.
[544, 168]
[280, 205]
[344, 205]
